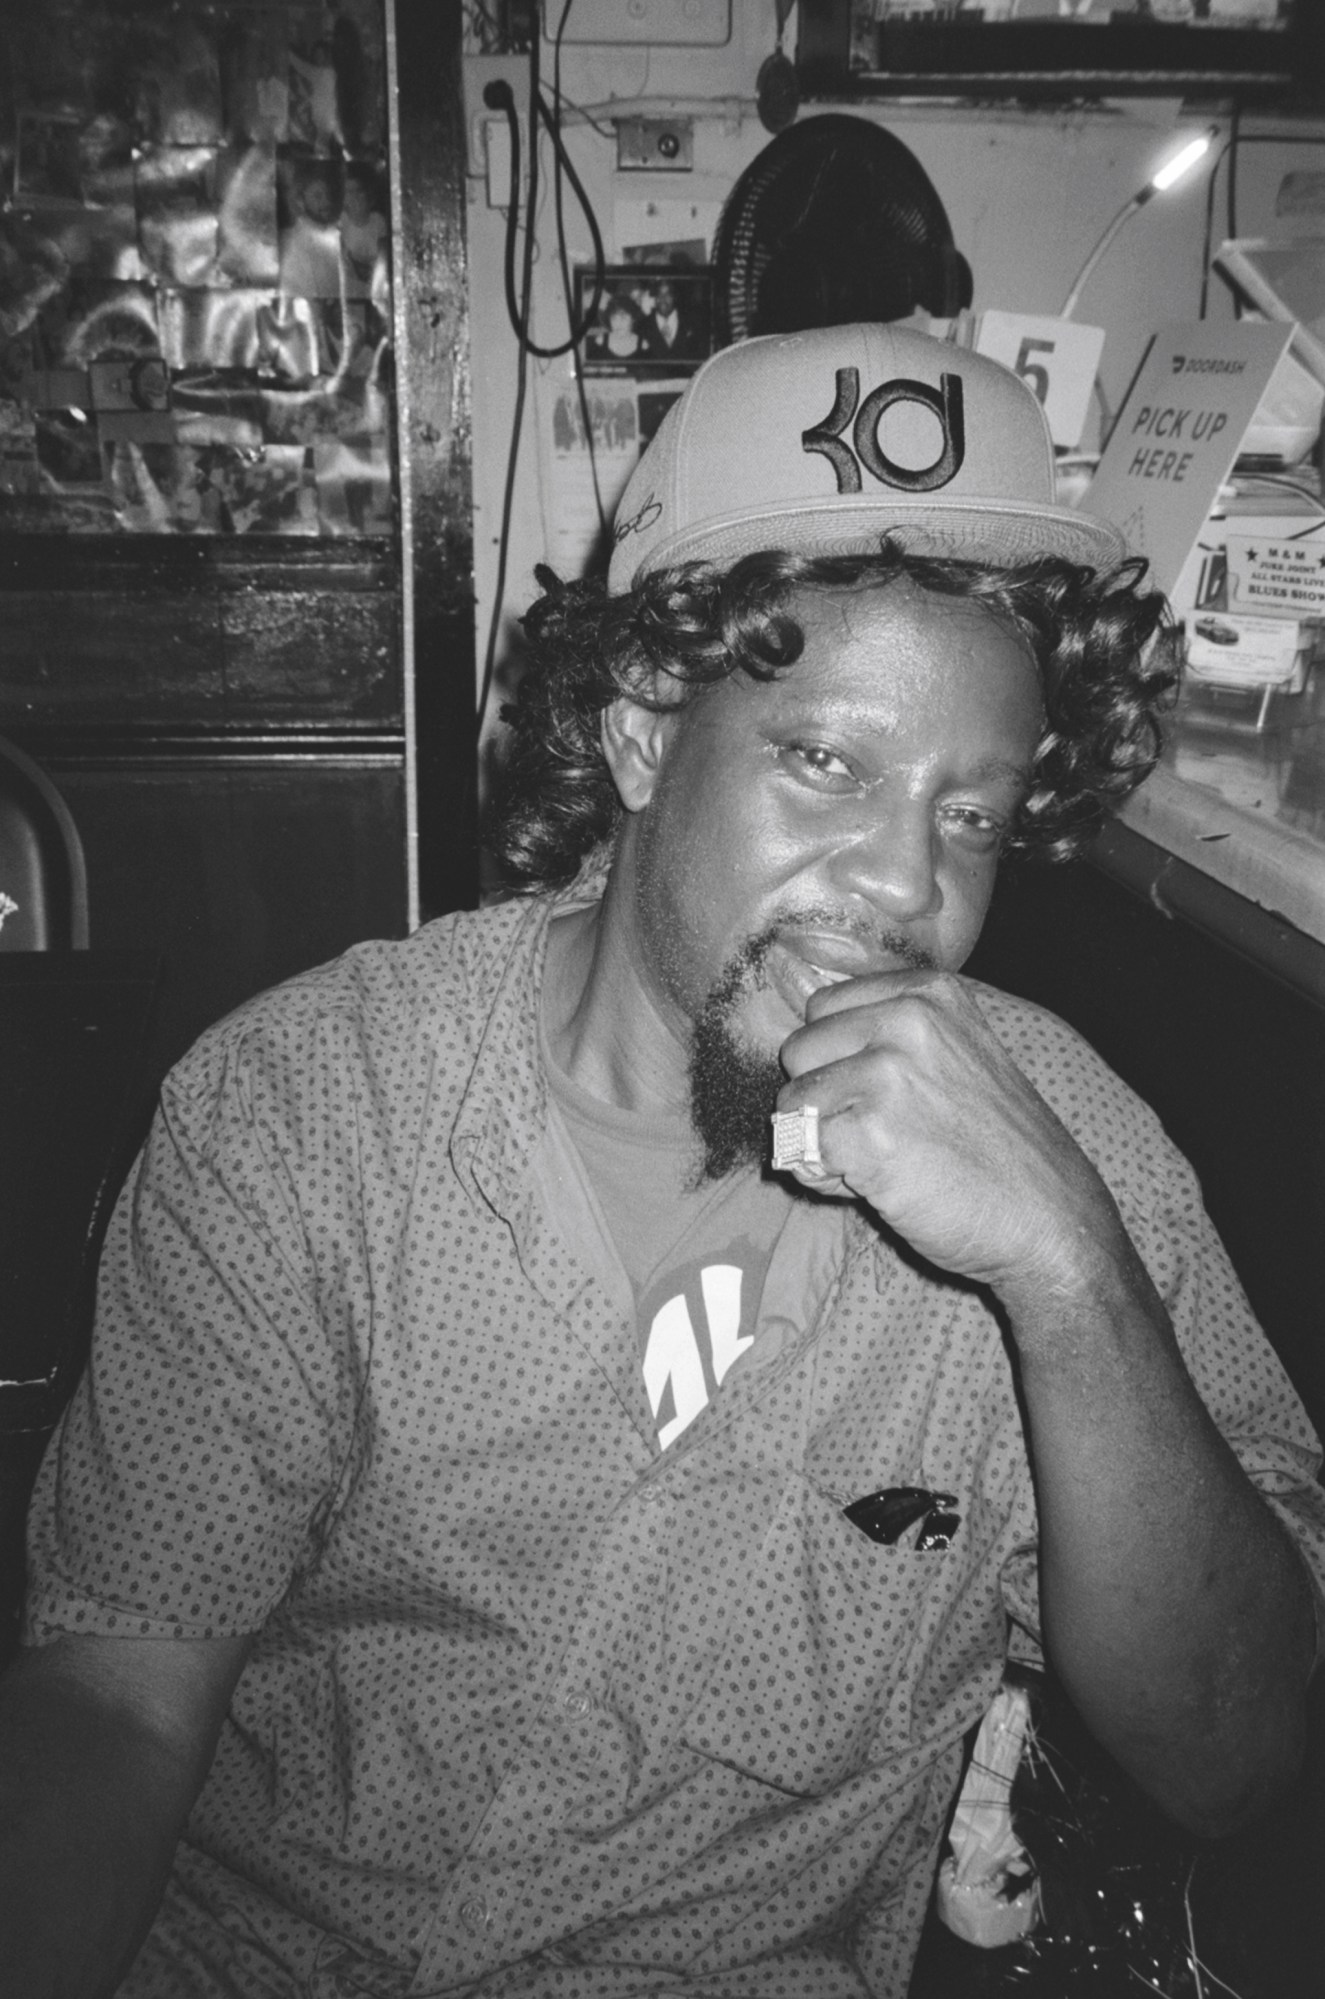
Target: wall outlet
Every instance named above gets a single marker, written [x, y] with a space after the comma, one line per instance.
[665, 23]
[478, 72]
[655, 145]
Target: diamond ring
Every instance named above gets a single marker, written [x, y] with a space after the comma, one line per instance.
[796, 1143]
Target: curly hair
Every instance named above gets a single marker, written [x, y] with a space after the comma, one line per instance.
[1106, 648]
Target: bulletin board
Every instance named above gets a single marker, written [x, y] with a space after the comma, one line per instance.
[195, 268]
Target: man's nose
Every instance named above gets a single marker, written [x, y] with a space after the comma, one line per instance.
[892, 862]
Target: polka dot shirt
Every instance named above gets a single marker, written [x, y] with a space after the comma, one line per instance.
[533, 1708]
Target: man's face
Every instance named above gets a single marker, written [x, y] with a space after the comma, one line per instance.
[356, 204]
[319, 204]
[842, 819]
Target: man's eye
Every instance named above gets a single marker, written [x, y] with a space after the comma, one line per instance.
[820, 764]
[975, 826]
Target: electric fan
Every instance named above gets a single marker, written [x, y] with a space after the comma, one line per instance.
[834, 221]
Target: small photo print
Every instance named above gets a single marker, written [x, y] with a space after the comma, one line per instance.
[613, 423]
[651, 320]
[131, 399]
[176, 71]
[309, 199]
[212, 489]
[92, 320]
[19, 471]
[364, 232]
[141, 382]
[257, 91]
[246, 251]
[354, 488]
[68, 449]
[214, 331]
[159, 488]
[48, 166]
[106, 148]
[177, 195]
[334, 63]
[314, 92]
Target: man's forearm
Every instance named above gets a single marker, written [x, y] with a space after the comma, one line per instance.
[1175, 1608]
[92, 1801]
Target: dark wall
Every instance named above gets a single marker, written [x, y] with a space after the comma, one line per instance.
[1232, 1060]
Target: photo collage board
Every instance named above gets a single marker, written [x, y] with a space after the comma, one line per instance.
[195, 284]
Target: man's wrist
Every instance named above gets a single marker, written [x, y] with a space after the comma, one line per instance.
[1095, 1293]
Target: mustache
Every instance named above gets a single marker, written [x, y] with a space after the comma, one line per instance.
[878, 939]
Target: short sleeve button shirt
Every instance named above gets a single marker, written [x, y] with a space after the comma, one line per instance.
[534, 1708]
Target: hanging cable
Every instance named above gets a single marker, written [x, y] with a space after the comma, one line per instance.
[500, 94]
[1208, 243]
[563, 257]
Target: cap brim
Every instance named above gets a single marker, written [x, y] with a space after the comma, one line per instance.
[958, 531]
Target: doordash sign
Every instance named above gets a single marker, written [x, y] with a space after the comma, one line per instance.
[1179, 432]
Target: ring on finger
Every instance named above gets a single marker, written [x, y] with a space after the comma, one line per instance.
[796, 1143]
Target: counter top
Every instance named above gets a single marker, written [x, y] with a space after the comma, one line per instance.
[1245, 808]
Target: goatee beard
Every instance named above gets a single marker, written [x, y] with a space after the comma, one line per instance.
[733, 1086]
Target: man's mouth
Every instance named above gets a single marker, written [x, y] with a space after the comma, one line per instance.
[799, 963]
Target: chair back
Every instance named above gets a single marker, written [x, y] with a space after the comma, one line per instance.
[43, 874]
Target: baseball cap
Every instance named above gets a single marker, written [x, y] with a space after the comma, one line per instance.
[819, 442]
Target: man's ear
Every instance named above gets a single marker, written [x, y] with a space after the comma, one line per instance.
[634, 742]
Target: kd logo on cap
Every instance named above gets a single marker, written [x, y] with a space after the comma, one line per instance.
[827, 437]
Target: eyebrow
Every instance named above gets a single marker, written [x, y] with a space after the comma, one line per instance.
[1001, 767]
[835, 714]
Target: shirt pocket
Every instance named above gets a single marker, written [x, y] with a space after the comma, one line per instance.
[818, 1653]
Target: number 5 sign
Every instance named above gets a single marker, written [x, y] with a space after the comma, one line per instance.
[1056, 358]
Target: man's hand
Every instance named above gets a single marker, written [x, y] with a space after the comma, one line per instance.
[1173, 1606]
[924, 1115]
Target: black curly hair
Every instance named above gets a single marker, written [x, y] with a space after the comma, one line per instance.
[1106, 648]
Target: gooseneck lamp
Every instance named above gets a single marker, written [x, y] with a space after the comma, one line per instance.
[1175, 168]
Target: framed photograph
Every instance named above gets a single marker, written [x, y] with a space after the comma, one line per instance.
[653, 320]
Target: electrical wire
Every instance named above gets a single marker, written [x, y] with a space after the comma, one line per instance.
[519, 306]
[1208, 241]
[501, 94]
[579, 114]
[564, 165]
[563, 257]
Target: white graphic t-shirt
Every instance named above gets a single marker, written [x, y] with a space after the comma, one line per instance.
[696, 1319]
[696, 1257]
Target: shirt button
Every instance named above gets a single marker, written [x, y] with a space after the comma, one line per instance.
[577, 1705]
[651, 1495]
[475, 1914]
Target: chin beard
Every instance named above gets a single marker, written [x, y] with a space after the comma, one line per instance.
[733, 1086]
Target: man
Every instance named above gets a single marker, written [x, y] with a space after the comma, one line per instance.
[674, 331]
[310, 264]
[477, 1539]
[365, 235]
